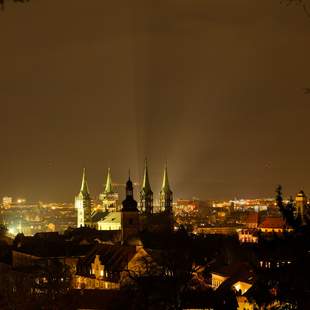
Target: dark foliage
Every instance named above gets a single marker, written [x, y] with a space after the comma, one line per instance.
[302, 3]
[3, 2]
[287, 210]
[3, 230]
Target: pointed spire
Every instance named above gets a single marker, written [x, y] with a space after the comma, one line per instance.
[165, 186]
[129, 186]
[84, 186]
[108, 186]
[129, 204]
[146, 187]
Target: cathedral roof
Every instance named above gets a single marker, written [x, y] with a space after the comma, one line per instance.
[98, 216]
[111, 217]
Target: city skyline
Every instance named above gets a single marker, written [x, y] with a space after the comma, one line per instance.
[119, 189]
[218, 93]
[155, 154]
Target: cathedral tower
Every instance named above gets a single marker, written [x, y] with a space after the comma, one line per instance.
[166, 195]
[146, 194]
[83, 204]
[108, 197]
[129, 215]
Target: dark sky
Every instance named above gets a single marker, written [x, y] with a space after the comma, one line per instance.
[213, 86]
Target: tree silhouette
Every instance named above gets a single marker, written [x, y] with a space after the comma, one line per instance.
[3, 230]
[287, 210]
[2, 2]
[302, 3]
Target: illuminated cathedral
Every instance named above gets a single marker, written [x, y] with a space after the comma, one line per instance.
[132, 217]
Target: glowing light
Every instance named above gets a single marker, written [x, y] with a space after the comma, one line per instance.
[12, 231]
[237, 287]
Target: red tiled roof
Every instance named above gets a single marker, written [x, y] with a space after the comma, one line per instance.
[251, 217]
[272, 222]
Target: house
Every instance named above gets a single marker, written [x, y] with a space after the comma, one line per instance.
[111, 266]
[88, 235]
[273, 224]
[247, 236]
[251, 220]
[238, 276]
[44, 247]
[218, 278]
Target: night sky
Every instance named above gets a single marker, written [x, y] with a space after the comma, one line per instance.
[215, 87]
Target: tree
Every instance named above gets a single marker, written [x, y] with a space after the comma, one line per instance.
[3, 230]
[167, 275]
[279, 198]
[303, 3]
[287, 210]
[2, 2]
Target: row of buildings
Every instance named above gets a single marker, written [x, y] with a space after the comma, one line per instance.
[97, 259]
[110, 259]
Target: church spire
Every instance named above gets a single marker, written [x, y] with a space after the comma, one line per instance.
[84, 186]
[108, 186]
[165, 186]
[166, 195]
[146, 194]
[129, 187]
[83, 204]
[146, 187]
[129, 215]
[108, 197]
